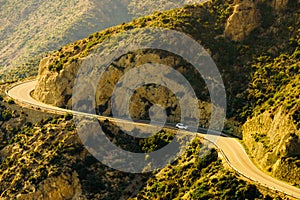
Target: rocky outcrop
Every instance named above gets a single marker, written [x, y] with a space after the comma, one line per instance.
[65, 186]
[273, 140]
[245, 18]
[56, 87]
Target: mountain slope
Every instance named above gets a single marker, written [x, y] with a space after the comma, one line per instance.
[260, 73]
[272, 132]
[46, 160]
[29, 30]
[34, 27]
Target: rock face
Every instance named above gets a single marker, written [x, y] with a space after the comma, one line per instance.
[55, 87]
[245, 18]
[62, 187]
[274, 142]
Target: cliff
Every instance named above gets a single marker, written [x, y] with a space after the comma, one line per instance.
[247, 16]
[273, 141]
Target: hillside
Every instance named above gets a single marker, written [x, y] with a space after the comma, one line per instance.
[272, 132]
[32, 28]
[260, 73]
[46, 160]
[29, 30]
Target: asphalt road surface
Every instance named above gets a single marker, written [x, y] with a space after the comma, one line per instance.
[231, 149]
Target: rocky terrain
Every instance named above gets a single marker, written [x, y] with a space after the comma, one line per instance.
[57, 72]
[274, 142]
[46, 160]
[272, 132]
[272, 129]
[247, 16]
[255, 45]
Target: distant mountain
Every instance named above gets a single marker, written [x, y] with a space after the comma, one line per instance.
[144, 8]
[33, 27]
[30, 28]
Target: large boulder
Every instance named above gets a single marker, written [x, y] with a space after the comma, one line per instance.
[245, 18]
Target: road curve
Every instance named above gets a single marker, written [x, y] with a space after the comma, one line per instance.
[231, 149]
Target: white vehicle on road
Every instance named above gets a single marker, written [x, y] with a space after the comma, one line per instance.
[181, 126]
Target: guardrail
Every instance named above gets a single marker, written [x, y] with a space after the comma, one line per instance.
[244, 175]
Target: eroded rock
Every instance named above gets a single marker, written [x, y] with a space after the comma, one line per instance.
[273, 140]
[245, 18]
[65, 186]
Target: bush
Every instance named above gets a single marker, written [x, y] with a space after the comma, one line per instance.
[6, 115]
[76, 47]
[207, 159]
[10, 101]
[68, 116]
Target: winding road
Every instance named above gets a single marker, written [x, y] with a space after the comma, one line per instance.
[230, 148]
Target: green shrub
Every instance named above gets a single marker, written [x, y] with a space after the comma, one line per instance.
[6, 115]
[10, 101]
[76, 47]
[206, 158]
[68, 116]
